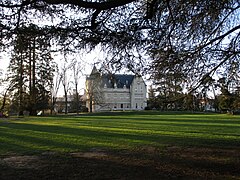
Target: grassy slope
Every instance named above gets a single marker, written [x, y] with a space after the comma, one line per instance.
[118, 131]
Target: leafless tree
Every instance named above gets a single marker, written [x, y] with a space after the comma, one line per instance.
[77, 68]
[66, 82]
[55, 89]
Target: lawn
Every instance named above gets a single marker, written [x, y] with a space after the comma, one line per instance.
[168, 145]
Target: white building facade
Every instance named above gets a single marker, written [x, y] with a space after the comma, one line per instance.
[107, 92]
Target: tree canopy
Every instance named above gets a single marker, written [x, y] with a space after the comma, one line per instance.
[196, 38]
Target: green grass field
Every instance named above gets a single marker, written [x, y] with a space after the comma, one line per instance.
[118, 131]
[121, 145]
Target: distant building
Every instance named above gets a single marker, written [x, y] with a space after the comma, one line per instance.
[105, 92]
[71, 104]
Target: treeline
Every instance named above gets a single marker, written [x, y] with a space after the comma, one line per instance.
[222, 95]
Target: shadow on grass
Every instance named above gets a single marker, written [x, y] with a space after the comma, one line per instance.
[32, 138]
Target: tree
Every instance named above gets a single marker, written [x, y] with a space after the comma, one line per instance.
[202, 36]
[4, 100]
[31, 70]
[45, 74]
[208, 86]
[55, 88]
[169, 80]
[225, 99]
[236, 103]
[152, 99]
[17, 71]
[66, 83]
[77, 72]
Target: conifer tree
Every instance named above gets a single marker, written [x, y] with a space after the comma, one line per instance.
[31, 70]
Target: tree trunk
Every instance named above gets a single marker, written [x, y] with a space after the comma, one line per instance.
[33, 100]
[53, 99]
[77, 98]
[32, 78]
[4, 101]
[91, 104]
[20, 113]
[66, 102]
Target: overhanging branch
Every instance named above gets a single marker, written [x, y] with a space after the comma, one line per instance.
[220, 37]
[92, 5]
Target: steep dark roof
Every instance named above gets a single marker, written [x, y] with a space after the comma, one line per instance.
[95, 74]
[109, 80]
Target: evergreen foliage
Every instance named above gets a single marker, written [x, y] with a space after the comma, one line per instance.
[31, 71]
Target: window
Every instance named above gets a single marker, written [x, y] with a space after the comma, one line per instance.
[121, 106]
